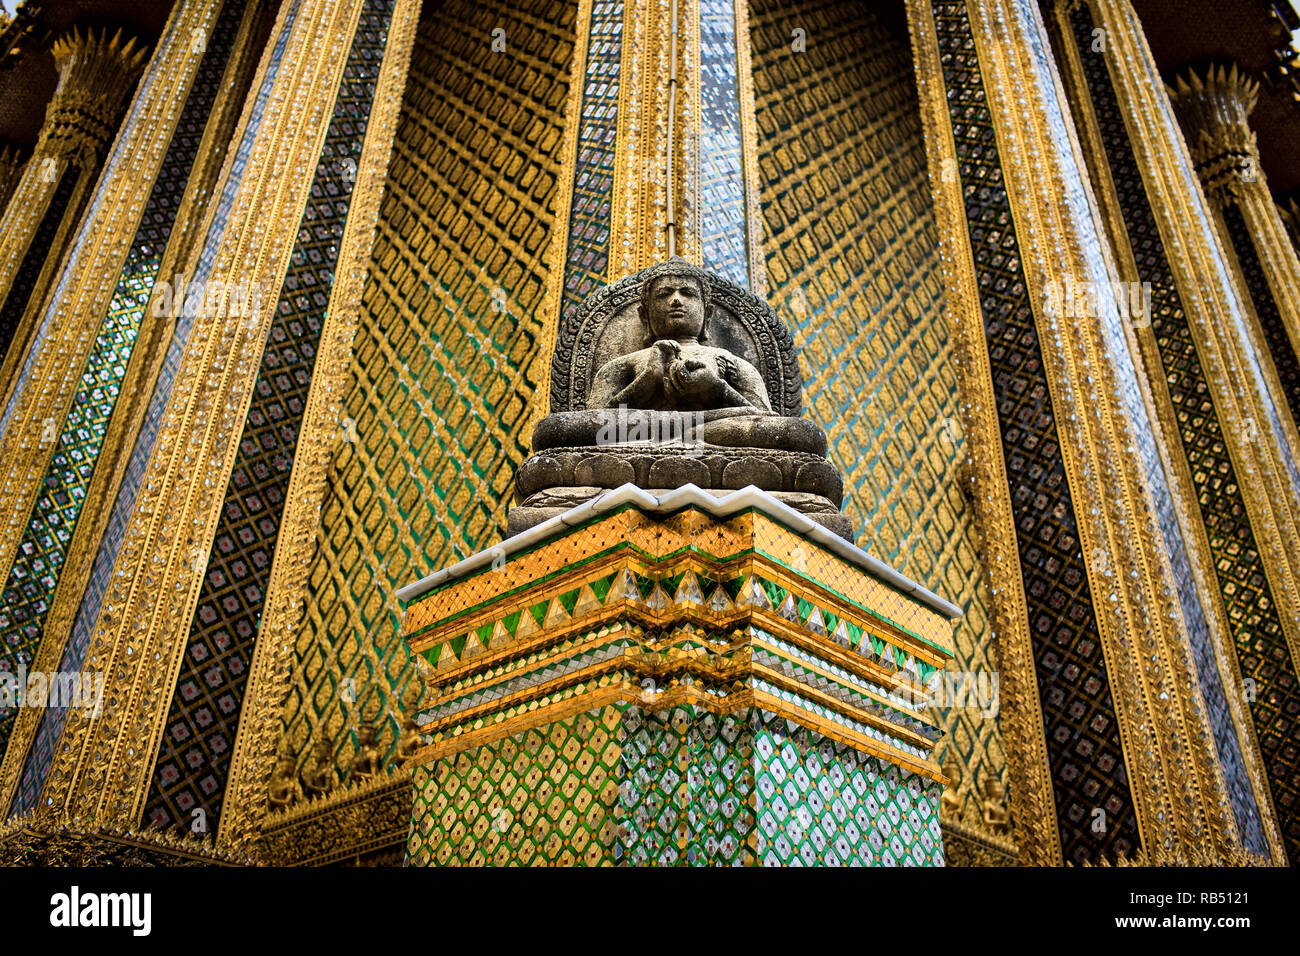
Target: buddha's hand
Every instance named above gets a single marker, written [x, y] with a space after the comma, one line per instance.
[691, 378]
[669, 352]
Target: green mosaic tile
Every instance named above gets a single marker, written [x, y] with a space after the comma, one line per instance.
[678, 787]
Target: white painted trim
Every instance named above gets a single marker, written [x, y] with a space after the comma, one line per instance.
[742, 500]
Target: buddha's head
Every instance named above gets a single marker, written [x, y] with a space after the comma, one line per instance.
[675, 302]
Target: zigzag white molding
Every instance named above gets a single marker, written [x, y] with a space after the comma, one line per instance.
[675, 500]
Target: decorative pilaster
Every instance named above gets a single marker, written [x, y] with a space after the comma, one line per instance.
[676, 680]
[1229, 464]
[103, 768]
[97, 72]
[1092, 631]
[446, 355]
[64, 386]
[390, 29]
[1214, 110]
[216, 58]
[616, 201]
[852, 259]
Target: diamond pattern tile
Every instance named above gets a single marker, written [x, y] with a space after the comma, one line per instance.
[1085, 755]
[1261, 646]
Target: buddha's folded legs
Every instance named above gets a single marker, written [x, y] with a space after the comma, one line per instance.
[724, 427]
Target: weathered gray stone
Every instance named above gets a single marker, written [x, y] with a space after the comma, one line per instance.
[751, 471]
[677, 471]
[675, 376]
[604, 471]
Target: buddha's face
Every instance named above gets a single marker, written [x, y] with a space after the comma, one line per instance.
[676, 308]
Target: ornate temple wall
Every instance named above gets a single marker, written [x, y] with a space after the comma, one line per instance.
[853, 264]
[227, 504]
[447, 356]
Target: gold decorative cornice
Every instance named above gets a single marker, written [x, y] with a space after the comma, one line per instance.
[965, 845]
[1214, 108]
[38, 840]
[1192, 857]
[343, 824]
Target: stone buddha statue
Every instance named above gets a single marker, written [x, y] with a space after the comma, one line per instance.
[678, 372]
[673, 376]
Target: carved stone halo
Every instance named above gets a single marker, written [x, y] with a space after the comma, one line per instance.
[607, 324]
[578, 450]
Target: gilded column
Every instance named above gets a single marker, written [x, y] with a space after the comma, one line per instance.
[201, 76]
[668, 97]
[1101, 709]
[1214, 110]
[1228, 459]
[103, 768]
[444, 372]
[244, 804]
[97, 71]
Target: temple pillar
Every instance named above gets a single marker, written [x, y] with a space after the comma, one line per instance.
[97, 72]
[1214, 111]
[86, 384]
[1089, 615]
[1227, 436]
[303, 193]
[619, 209]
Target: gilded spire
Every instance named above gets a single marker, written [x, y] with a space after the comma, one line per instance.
[1214, 108]
[97, 72]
